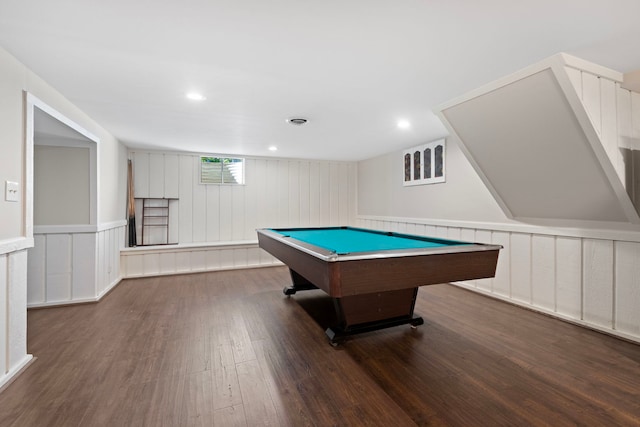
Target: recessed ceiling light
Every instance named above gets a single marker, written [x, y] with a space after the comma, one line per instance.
[297, 121]
[194, 96]
[273, 148]
[404, 124]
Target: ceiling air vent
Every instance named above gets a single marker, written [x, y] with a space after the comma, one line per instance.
[297, 121]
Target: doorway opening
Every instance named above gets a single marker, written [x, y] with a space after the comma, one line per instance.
[61, 207]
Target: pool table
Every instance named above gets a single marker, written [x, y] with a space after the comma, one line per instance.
[373, 276]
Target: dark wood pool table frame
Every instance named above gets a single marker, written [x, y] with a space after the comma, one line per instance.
[375, 290]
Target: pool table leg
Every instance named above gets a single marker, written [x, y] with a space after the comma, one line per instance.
[336, 333]
[370, 312]
[299, 284]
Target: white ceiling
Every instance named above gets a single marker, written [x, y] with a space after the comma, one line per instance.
[353, 67]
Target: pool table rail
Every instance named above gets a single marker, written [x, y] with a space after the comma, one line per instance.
[341, 275]
[331, 256]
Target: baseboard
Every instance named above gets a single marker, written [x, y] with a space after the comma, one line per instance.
[109, 288]
[76, 301]
[578, 322]
[10, 376]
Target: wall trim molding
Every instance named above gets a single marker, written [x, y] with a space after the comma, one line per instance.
[188, 247]
[14, 245]
[62, 303]
[108, 289]
[13, 373]
[113, 224]
[77, 228]
[64, 229]
[631, 235]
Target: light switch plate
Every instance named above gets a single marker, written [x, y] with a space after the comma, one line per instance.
[11, 191]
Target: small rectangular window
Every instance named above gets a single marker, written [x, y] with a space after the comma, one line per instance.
[221, 170]
[425, 164]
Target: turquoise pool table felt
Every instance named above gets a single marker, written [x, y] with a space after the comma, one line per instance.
[345, 241]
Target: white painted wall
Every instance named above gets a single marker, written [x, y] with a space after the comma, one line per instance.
[215, 224]
[61, 185]
[15, 223]
[13, 80]
[462, 197]
[112, 155]
[277, 193]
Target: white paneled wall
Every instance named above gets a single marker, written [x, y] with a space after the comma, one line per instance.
[597, 281]
[614, 113]
[592, 281]
[568, 280]
[277, 193]
[72, 267]
[216, 223]
[627, 292]
[13, 332]
[110, 241]
[4, 309]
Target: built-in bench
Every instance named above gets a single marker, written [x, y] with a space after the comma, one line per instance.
[145, 261]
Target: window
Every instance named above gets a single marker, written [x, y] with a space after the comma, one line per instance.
[439, 156]
[425, 164]
[221, 170]
[407, 167]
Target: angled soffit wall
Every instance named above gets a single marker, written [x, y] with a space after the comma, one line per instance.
[529, 138]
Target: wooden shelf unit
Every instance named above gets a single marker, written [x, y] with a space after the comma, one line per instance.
[155, 214]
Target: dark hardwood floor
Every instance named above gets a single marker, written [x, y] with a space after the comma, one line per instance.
[227, 349]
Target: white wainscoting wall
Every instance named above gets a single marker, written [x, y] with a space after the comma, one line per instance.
[216, 224]
[13, 300]
[73, 264]
[193, 258]
[110, 241]
[589, 277]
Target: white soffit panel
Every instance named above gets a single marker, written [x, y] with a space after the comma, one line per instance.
[534, 147]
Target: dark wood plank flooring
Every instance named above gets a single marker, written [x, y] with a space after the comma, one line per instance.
[228, 349]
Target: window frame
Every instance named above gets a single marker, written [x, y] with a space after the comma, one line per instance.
[222, 159]
[414, 156]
